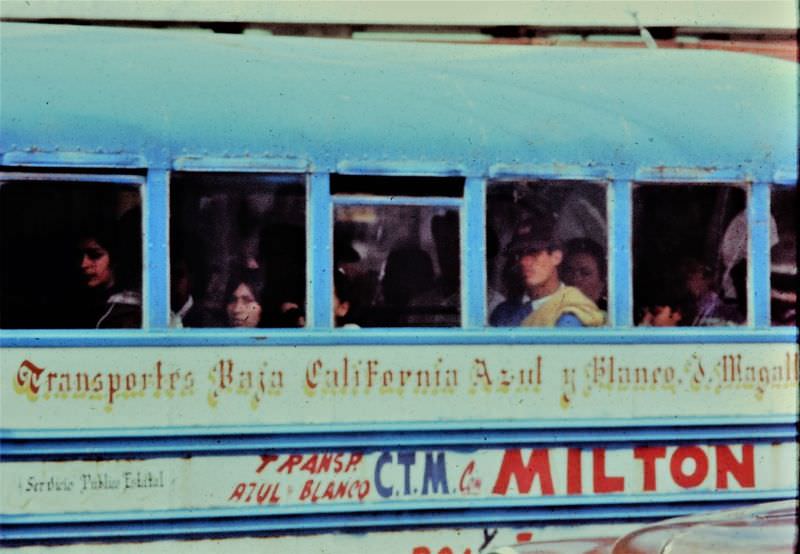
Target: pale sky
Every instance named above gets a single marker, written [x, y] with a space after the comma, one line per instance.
[724, 13]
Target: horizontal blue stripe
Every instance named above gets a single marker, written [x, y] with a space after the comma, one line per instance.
[436, 434]
[409, 336]
[73, 159]
[74, 177]
[405, 505]
[556, 172]
[253, 164]
[367, 200]
[227, 446]
[417, 168]
[692, 174]
[531, 516]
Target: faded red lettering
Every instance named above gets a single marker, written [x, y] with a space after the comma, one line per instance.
[306, 491]
[238, 492]
[311, 464]
[290, 462]
[648, 455]
[266, 459]
[743, 471]
[355, 459]
[28, 374]
[574, 485]
[689, 480]
[604, 483]
[324, 463]
[512, 466]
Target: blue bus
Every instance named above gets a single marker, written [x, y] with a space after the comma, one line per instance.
[271, 286]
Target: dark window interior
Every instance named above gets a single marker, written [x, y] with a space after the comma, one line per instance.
[690, 254]
[47, 279]
[228, 229]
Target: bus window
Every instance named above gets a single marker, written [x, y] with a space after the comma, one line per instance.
[237, 250]
[689, 255]
[72, 251]
[398, 263]
[784, 257]
[546, 250]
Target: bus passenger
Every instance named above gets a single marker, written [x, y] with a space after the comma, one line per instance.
[665, 310]
[183, 309]
[343, 298]
[707, 306]
[408, 273]
[105, 302]
[439, 305]
[244, 300]
[545, 300]
[585, 268]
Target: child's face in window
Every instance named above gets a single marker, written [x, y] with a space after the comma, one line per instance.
[581, 271]
[664, 316]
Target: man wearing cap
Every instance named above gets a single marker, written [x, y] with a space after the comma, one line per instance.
[546, 301]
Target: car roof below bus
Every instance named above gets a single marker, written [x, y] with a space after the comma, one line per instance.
[164, 94]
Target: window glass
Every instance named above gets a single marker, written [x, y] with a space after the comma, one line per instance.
[71, 251]
[783, 239]
[396, 265]
[546, 249]
[237, 250]
[689, 255]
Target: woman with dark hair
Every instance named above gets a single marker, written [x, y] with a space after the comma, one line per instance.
[105, 302]
[244, 300]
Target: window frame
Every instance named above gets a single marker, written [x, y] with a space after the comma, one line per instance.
[458, 203]
[209, 166]
[741, 184]
[101, 175]
[153, 181]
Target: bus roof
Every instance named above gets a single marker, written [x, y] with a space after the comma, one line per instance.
[336, 104]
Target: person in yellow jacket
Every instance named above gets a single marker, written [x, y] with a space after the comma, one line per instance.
[546, 301]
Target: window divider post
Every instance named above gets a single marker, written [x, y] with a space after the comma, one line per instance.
[620, 266]
[473, 249]
[155, 228]
[758, 268]
[319, 248]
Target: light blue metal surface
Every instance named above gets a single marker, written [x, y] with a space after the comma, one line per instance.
[68, 159]
[152, 93]
[443, 504]
[419, 168]
[785, 177]
[319, 292]
[19, 444]
[354, 200]
[370, 521]
[620, 272]
[551, 171]
[410, 335]
[758, 268]
[156, 253]
[584, 430]
[241, 165]
[692, 174]
[87, 97]
[473, 248]
[75, 178]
